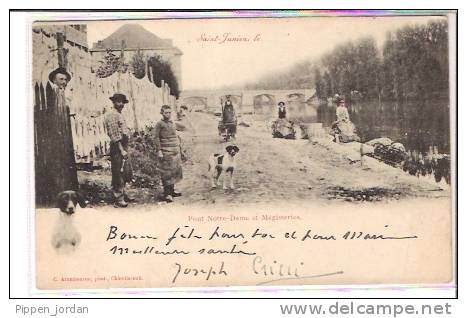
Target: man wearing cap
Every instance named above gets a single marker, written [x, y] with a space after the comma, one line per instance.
[168, 153]
[59, 78]
[118, 132]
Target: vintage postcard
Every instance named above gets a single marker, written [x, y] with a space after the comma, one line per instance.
[253, 151]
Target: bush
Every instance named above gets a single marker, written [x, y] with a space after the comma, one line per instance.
[138, 65]
[144, 160]
[162, 71]
[111, 64]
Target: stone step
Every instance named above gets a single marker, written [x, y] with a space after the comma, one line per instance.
[314, 130]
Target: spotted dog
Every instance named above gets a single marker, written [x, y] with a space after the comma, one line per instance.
[223, 163]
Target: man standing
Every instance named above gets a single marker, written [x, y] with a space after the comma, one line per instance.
[228, 111]
[60, 137]
[169, 153]
[119, 136]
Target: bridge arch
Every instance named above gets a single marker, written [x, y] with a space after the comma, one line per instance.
[264, 104]
[292, 97]
[196, 103]
[235, 98]
[296, 103]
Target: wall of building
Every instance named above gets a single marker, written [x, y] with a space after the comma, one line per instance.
[88, 96]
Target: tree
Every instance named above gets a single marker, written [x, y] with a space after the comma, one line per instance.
[327, 85]
[367, 68]
[111, 64]
[162, 71]
[138, 65]
[318, 83]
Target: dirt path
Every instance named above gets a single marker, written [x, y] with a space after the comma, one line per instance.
[276, 169]
[265, 169]
[271, 169]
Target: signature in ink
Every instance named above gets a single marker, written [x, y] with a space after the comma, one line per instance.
[206, 273]
[280, 271]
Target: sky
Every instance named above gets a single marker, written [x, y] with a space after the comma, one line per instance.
[274, 44]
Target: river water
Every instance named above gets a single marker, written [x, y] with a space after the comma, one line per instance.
[416, 124]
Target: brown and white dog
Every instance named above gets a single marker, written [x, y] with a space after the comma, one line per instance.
[67, 201]
[223, 163]
[66, 235]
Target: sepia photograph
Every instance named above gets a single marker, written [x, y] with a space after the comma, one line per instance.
[243, 151]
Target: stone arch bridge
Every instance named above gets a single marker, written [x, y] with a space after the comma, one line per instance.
[263, 103]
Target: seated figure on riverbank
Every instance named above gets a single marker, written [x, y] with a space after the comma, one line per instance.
[342, 113]
[282, 112]
[343, 129]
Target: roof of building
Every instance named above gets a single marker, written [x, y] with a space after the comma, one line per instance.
[135, 36]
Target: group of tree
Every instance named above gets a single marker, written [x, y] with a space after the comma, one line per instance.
[413, 64]
[403, 84]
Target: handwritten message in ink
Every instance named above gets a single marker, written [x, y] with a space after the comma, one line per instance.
[264, 245]
[180, 242]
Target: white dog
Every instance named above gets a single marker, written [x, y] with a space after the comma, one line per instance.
[65, 235]
[219, 163]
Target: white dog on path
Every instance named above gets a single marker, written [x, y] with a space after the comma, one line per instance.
[223, 163]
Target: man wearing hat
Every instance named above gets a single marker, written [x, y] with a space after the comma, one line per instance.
[59, 77]
[228, 111]
[229, 116]
[119, 136]
[282, 110]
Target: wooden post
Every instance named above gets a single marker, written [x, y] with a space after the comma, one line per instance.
[149, 71]
[61, 51]
[132, 97]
